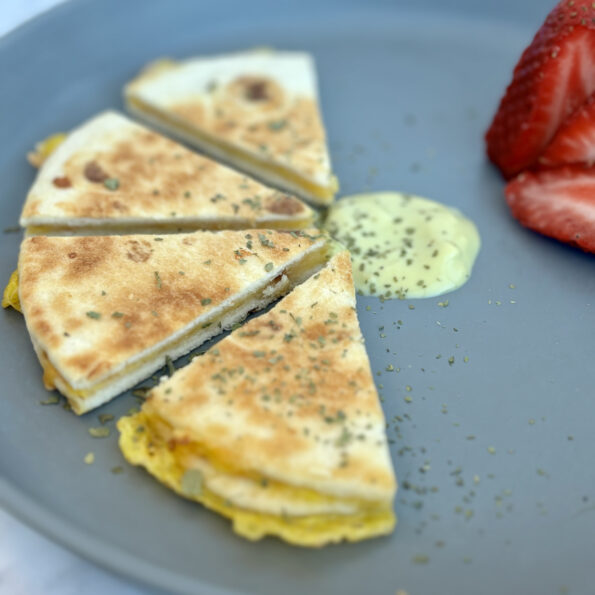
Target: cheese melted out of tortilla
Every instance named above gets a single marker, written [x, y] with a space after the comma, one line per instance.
[45, 148]
[10, 299]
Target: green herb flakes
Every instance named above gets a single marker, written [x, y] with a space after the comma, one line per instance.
[191, 484]
[104, 418]
[93, 315]
[99, 432]
[158, 280]
[117, 314]
[268, 267]
[51, 400]
[111, 183]
[264, 241]
[169, 365]
[344, 438]
[205, 301]
[277, 125]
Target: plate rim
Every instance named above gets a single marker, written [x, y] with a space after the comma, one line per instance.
[123, 564]
[109, 557]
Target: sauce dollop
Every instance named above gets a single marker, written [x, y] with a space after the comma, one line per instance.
[404, 246]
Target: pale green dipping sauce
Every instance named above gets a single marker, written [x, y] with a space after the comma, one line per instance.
[404, 246]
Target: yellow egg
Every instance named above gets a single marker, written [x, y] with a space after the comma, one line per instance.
[10, 299]
[45, 148]
[141, 447]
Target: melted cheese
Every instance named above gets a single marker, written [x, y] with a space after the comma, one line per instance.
[235, 154]
[157, 227]
[141, 446]
[10, 299]
[45, 148]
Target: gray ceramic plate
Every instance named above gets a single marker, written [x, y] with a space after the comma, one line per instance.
[494, 453]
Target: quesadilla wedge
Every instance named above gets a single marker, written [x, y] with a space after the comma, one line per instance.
[257, 110]
[104, 312]
[112, 175]
[278, 427]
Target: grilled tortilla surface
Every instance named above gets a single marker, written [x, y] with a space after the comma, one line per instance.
[279, 426]
[111, 174]
[103, 312]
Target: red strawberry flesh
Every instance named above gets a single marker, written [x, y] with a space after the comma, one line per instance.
[559, 203]
[574, 142]
[555, 75]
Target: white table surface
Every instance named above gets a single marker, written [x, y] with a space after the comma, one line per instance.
[30, 564]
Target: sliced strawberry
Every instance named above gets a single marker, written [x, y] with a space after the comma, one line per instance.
[554, 76]
[575, 140]
[559, 203]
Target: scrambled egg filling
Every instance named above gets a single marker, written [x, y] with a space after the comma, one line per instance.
[10, 299]
[291, 176]
[45, 148]
[141, 446]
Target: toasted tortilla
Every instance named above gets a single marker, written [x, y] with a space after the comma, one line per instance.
[103, 312]
[257, 110]
[112, 175]
[279, 426]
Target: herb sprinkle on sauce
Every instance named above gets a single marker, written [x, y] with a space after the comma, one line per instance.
[404, 246]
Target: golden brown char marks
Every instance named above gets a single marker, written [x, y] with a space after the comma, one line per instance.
[283, 205]
[149, 175]
[122, 176]
[86, 256]
[129, 293]
[256, 112]
[139, 250]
